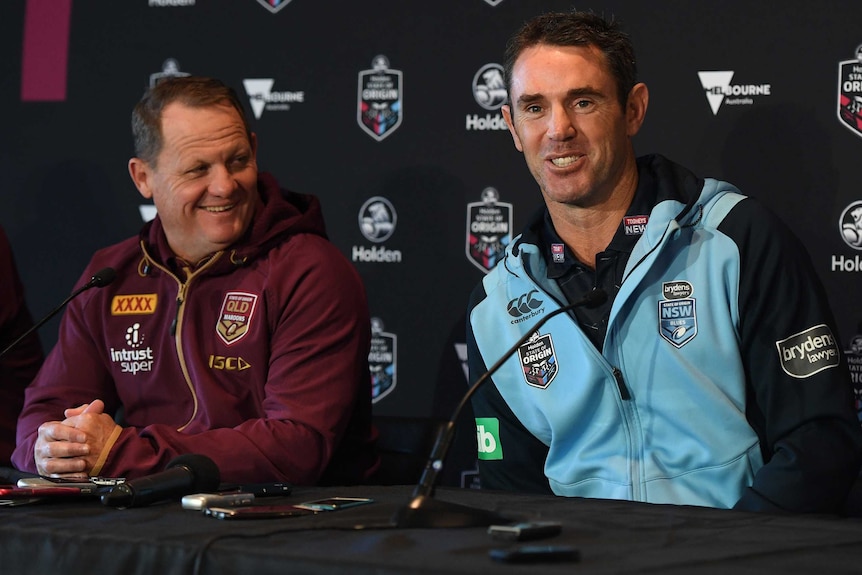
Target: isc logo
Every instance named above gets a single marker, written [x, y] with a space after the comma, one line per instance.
[488, 438]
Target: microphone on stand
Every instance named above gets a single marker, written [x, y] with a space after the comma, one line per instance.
[423, 510]
[184, 475]
[100, 279]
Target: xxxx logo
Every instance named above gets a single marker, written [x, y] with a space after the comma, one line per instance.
[134, 304]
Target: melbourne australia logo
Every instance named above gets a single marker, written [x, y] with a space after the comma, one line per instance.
[262, 97]
[719, 90]
[380, 107]
[808, 352]
[235, 317]
[489, 230]
[489, 91]
[850, 93]
[377, 219]
[274, 5]
[382, 360]
[538, 360]
[677, 314]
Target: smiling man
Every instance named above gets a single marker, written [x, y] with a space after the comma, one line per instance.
[709, 374]
[234, 329]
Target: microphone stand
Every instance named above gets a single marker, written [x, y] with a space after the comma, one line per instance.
[100, 279]
[423, 510]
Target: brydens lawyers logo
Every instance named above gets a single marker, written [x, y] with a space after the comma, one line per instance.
[850, 93]
[380, 108]
[274, 5]
[719, 90]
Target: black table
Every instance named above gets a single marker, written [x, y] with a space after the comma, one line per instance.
[83, 536]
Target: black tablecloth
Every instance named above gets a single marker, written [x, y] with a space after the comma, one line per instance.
[83, 536]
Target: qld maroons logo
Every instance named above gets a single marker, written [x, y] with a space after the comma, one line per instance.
[235, 317]
[539, 361]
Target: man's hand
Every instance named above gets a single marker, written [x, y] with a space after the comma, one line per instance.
[71, 447]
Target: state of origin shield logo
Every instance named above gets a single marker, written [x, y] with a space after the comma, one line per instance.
[489, 230]
[380, 108]
[850, 93]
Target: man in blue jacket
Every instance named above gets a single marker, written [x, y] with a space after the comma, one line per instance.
[711, 375]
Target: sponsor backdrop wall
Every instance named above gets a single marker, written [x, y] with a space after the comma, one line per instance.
[388, 110]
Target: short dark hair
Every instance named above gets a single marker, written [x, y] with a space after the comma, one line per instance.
[577, 29]
[193, 91]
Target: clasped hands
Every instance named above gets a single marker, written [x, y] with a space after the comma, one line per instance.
[71, 448]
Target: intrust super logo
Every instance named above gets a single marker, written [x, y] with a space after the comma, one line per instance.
[262, 97]
[720, 91]
[134, 357]
[808, 352]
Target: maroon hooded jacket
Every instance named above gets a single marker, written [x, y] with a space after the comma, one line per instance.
[258, 360]
[20, 364]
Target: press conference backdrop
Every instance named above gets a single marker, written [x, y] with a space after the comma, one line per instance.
[388, 110]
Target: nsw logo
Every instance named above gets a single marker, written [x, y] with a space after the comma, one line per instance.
[678, 313]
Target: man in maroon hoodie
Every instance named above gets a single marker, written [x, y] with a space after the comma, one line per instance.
[234, 329]
[19, 365]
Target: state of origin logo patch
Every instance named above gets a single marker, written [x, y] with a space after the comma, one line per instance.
[237, 309]
[539, 361]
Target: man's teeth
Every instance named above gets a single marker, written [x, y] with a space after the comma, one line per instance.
[218, 208]
[563, 162]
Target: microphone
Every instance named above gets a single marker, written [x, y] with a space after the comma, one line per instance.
[423, 510]
[100, 279]
[184, 475]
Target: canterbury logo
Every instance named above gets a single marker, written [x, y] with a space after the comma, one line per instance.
[134, 304]
[524, 304]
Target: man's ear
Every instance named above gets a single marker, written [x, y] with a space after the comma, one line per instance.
[507, 115]
[141, 175]
[636, 107]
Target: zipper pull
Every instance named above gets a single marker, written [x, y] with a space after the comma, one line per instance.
[621, 384]
[176, 317]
